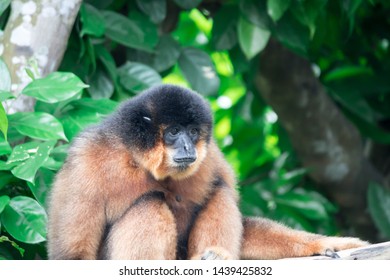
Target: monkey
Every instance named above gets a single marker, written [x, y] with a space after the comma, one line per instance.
[149, 182]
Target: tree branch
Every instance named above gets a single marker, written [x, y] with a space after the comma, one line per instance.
[36, 30]
[380, 251]
[326, 142]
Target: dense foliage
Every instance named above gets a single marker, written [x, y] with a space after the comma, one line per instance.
[119, 48]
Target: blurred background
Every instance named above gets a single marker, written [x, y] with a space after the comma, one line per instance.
[300, 91]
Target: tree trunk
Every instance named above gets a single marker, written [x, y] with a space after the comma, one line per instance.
[326, 142]
[36, 31]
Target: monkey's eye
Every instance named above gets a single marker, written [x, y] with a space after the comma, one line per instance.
[174, 131]
[194, 131]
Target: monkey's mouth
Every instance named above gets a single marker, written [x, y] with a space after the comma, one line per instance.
[183, 163]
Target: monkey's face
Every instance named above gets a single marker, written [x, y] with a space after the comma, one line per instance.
[168, 129]
[182, 150]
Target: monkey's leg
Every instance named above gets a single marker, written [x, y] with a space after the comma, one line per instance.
[146, 231]
[266, 239]
[217, 231]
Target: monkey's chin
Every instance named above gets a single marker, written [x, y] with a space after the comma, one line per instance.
[182, 171]
[182, 167]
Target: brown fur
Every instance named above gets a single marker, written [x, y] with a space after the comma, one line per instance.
[103, 182]
[266, 239]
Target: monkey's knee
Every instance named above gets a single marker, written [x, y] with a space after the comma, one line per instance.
[146, 231]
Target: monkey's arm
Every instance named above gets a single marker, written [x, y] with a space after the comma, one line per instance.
[265, 239]
[218, 229]
[76, 218]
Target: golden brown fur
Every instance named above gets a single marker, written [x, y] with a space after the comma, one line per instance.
[117, 201]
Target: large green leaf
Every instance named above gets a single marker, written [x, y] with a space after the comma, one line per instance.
[188, 4]
[27, 169]
[92, 21]
[4, 5]
[37, 125]
[124, 31]
[25, 220]
[57, 86]
[199, 70]
[224, 32]
[379, 207]
[136, 77]
[155, 9]
[252, 38]
[276, 8]
[167, 53]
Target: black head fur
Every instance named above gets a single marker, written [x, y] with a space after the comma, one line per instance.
[138, 121]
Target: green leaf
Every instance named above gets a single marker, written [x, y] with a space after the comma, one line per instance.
[379, 207]
[5, 81]
[291, 32]
[307, 12]
[167, 53]
[25, 220]
[251, 38]
[137, 77]
[4, 200]
[224, 32]
[276, 8]
[199, 70]
[122, 30]
[155, 9]
[101, 106]
[3, 121]
[256, 12]
[27, 169]
[100, 84]
[3, 6]
[57, 86]
[37, 125]
[6, 165]
[4, 95]
[350, 7]
[77, 120]
[107, 60]
[92, 21]
[304, 203]
[188, 4]
[5, 147]
[42, 185]
[22, 152]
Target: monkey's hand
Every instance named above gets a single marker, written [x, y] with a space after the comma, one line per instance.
[328, 246]
[214, 253]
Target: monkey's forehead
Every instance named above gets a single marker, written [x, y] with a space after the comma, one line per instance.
[168, 104]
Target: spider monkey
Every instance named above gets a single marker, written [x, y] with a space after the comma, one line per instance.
[149, 182]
